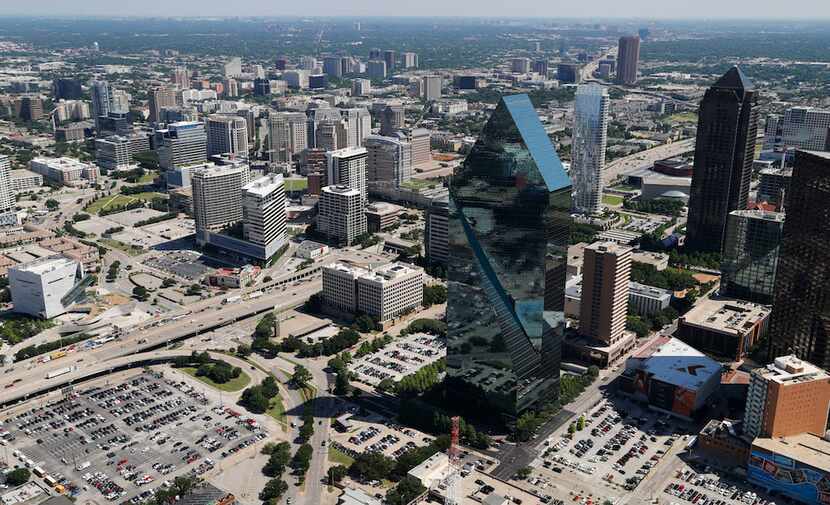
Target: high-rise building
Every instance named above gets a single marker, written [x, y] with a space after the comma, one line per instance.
[392, 118]
[183, 143]
[359, 122]
[264, 221]
[376, 69]
[389, 159]
[233, 67]
[541, 68]
[66, 89]
[629, 59]
[590, 135]
[384, 293]
[800, 322]
[750, 254]
[390, 59]
[316, 116]
[520, 65]
[419, 139]
[119, 101]
[787, 397]
[181, 78]
[409, 60]
[287, 134]
[160, 98]
[7, 200]
[112, 153]
[774, 186]
[100, 100]
[340, 215]
[332, 135]
[217, 198]
[568, 73]
[347, 167]
[799, 128]
[361, 87]
[332, 67]
[227, 134]
[231, 88]
[432, 87]
[606, 271]
[724, 150]
[436, 232]
[509, 223]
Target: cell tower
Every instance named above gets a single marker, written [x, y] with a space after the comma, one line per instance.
[453, 480]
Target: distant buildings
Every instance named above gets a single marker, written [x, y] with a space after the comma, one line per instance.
[419, 139]
[233, 67]
[7, 200]
[340, 214]
[159, 99]
[65, 171]
[725, 148]
[799, 128]
[227, 134]
[359, 125]
[392, 118]
[389, 57]
[100, 92]
[347, 167]
[590, 136]
[361, 87]
[628, 60]
[182, 143]
[376, 70]
[801, 315]
[520, 65]
[787, 397]
[432, 87]
[45, 287]
[384, 293]
[568, 73]
[726, 328]
[750, 254]
[112, 153]
[66, 89]
[287, 135]
[389, 159]
[409, 60]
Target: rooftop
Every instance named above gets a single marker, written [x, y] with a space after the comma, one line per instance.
[674, 362]
[264, 185]
[805, 448]
[41, 266]
[726, 315]
[790, 369]
[341, 190]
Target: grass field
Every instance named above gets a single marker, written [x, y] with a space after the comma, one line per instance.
[120, 200]
[121, 246]
[340, 457]
[232, 386]
[296, 184]
[612, 199]
[277, 411]
[147, 178]
[683, 117]
[417, 184]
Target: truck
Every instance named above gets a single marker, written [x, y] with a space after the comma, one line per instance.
[57, 354]
[60, 371]
[231, 299]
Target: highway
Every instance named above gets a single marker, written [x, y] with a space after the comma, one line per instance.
[631, 163]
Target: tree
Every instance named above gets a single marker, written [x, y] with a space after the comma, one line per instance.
[140, 293]
[279, 457]
[593, 371]
[301, 376]
[266, 327]
[273, 490]
[243, 350]
[342, 386]
[524, 472]
[52, 204]
[372, 466]
[269, 387]
[364, 323]
[580, 423]
[168, 282]
[254, 400]
[407, 490]
[336, 473]
[434, 294]
[306, 431]
[18, 477]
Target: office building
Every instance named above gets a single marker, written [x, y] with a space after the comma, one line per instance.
[383, 293]
[159, 99]
[432, 87]
[233, 67]
[568, 73]
[409, 60]
[520, 65]
[541, 68]
[774, 186]
[231, 88]
[629, 59]
[381, 216]
[332, 135]
[647, 300]
[182, 143]
[750, 254]
[436, 232]
[227, 134]
[605, 274]
[420, 140]
[794, 468]
[347, 167]
[392, 119]
[19, 180]
[510, 205]
[724, 150]
[590, 135]
[724, 327]
[332, 66]
[66, 89]
[376, 70]
[100, 92]
[389, 159]
[799, 128]
[264, 217]
[65, 171]
[296, 79]
[787, 397]
[390, 60]
[7, 200]
[340, 214]
[112, 153]
[217, 192]
[317, 81]
[318, 115]
[801, 314]
[359, 122]
[181, 77]
[262, 87]
[45, 287]
[75, 110]
[119, 102]
[287, 134]
[361, 87]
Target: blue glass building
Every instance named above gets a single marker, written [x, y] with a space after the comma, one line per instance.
[509, 222]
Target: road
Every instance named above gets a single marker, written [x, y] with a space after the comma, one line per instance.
[628, 164]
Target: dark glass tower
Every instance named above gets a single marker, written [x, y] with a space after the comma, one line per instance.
[508, 238]
[750, 254]
[725, 146]
[801, 313]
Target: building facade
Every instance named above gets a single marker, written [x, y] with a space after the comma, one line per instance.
[217, 195]
[44, 287]
[287, 133]
[750, 254]
[436, 233]
[347, 167]
[590, 136]
[606, 272]
[263, 213]
[629, 60]
[340, 214]
[180, 144]
[227, 134]
[389, 159]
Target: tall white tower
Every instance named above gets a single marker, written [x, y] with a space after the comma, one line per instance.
[590, 135]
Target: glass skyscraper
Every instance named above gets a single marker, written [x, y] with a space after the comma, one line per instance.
[509, 223]
[750, 254]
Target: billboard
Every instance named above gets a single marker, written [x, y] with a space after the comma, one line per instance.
[789, 477]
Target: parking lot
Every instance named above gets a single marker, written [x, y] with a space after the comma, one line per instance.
[708, 488]
[375, 434]
[402, 357]
[121, 441]
[188, 265]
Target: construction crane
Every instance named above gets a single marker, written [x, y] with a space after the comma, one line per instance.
[453, 480]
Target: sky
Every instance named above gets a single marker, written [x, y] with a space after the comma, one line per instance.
[666, 9]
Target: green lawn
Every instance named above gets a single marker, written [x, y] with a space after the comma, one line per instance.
[417, 184]
[277, 411]
[296, 184]
[120, 200]
[340, 457]
[612, 199]
[121, 246]
[232, 386]
[147, 178]
[683, 117]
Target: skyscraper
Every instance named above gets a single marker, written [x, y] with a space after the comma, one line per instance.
[409, 60]
[181, 77]
[159, 99]
[520, 65]
[629, 59]
[799, 128]
[66, 89]
[347, 167]
[800, 321]
[726, 130]
[436, 232]
[332, 66]
[750, 254]
[508, 238]
[603, 307]
[389, 58]
[432, 87]
[359, 123]
[264, 221]
[7, 200]
[590, 135]
[183, 143]
[377, 69]
[389, 159]
[217, 202]
[287, 134]
[100, 100]
[392, 118]
[227, 134]
[340, 216]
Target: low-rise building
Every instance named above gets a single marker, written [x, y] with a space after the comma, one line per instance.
[724, 327]
[384, 293]
[660, 261]
[311, 250]
[86, 255]
[721, 441]
[797, 467]
[381, 215]
[65, 171]
[233, 278]
[24, 180]
[647, 300]
[45, 287]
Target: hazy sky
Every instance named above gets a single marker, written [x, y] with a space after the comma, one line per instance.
[803, 9]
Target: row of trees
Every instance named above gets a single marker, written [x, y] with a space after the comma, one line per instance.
[426, 418]
[418, 382]
[36, 350]
[435, 294]
[643, 325]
